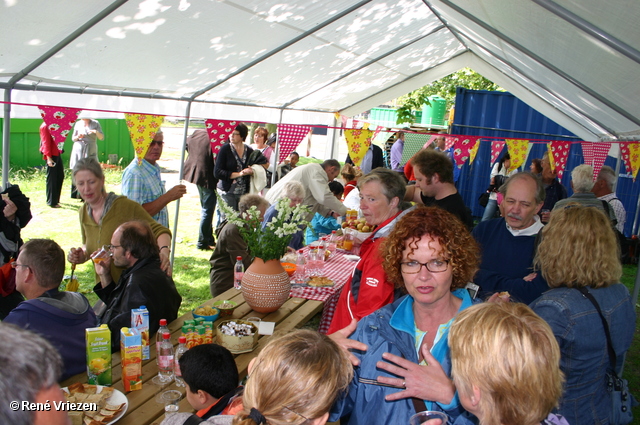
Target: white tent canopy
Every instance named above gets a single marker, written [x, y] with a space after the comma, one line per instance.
[577, 62]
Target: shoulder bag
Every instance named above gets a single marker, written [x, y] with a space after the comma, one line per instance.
[621, 399]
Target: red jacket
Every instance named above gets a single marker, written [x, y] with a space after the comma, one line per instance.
[47, 146]
[368, 289]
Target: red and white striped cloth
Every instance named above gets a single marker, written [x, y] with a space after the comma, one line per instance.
[338, 269]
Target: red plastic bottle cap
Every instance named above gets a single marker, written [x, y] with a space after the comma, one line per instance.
[166, 335]
[182, 340]
[163, 322]
[299, 251]
[238, 258]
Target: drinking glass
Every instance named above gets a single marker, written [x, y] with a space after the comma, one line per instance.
[428, 418]
[101, 255]
[171, 399]
[315, 265]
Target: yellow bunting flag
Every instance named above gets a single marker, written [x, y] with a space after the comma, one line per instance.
[552, 163]
[518, 151]
[474, 151]
[358, 142]
[142, 129]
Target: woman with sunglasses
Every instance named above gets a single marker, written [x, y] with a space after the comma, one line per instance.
[430, 256]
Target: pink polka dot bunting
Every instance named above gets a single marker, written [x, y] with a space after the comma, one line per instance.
[560, 152]
[289, 137]
[59, 121]
[496, 148]
[219, 131]
[462, 147]
[594, 154]
[630, 152]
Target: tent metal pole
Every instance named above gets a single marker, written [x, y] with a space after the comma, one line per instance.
[634, 229]
[6, 134]
[277, 152]
[590, 29]
[612, 105]
[187, 115]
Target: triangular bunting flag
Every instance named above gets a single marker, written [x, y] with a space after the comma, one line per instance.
[595, 154]
[219, 131]
[376, 132]
[517, 151]
[289, 137]
[358, 142]
[560, 151]
[449, 142]
[59, 121]
[496, 148]
[474, 151]
[462, 147]
[413, 142]
[142, 129]
[630, 152]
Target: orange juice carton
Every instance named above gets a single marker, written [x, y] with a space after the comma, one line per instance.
[208, 332]
[99, 355]
[131, 358]
[140, 322]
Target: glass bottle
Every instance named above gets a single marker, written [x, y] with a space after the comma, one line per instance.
[238, 273]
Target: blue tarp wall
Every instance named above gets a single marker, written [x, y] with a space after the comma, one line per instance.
[502, 115]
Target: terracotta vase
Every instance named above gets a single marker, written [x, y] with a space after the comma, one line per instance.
[265, 285]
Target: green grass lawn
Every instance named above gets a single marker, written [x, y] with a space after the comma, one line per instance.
[191, 266]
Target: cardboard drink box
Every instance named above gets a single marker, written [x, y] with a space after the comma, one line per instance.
[99, 355]
[131, 358]
[140, 322]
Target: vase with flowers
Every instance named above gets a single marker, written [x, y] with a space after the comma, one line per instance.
[266, 285]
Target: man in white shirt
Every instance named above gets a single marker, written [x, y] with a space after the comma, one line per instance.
[603, 189]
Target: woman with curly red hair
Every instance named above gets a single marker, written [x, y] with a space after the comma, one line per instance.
[430, 256]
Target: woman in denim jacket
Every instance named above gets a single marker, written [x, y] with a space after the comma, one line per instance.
[431, 256]
[579, 249]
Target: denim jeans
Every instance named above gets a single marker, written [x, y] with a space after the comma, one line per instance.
[490, 210]
[208, 205]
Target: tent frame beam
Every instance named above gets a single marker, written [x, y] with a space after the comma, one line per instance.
[369, 63]
[589, 28]
[543, 62]
[281, 47]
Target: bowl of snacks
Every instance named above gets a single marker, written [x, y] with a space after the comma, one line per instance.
[226, 307]
[237, 336]
[208, 313]
[290, 268]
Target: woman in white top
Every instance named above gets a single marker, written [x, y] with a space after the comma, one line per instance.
[500, 168]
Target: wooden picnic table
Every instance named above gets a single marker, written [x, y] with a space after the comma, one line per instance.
[143, 408]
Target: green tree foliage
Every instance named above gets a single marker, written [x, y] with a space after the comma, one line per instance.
[444, 87]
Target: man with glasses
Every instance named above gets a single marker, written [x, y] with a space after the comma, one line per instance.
[142, 182]
[61, 317]
[142, 283]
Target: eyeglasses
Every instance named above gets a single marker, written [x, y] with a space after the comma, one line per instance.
[434, 266]
[112, 247]
[14, 264]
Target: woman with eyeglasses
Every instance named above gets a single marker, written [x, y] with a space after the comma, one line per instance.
[429, 256]
[103, 212]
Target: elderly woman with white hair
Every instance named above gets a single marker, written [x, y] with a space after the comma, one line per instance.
[294, 191]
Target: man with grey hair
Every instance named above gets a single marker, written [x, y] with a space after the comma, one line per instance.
[142, 182]
[603, 189]
[582, 183]
[315, 178]
[29, 374]
[508, 242]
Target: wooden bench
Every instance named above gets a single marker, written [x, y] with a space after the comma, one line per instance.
[143, 408]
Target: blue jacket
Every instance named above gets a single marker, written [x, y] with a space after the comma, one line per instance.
[583, 345]
[387, 330]
[61, 318]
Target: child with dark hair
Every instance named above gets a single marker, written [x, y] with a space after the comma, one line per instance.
[211, 378]
[321, 224]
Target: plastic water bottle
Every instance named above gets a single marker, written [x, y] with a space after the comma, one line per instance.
[238, 273]
[301, 265]
[163, 328]
[333, 242]
[182, 348]
[165, 358]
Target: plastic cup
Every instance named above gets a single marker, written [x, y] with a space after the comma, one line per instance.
[101, 255]
[171, 399]
[428, 418]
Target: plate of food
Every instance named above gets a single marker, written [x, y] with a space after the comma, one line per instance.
[110, 404]
[319, 282]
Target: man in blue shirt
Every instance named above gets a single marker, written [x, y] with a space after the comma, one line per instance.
[142, 182]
